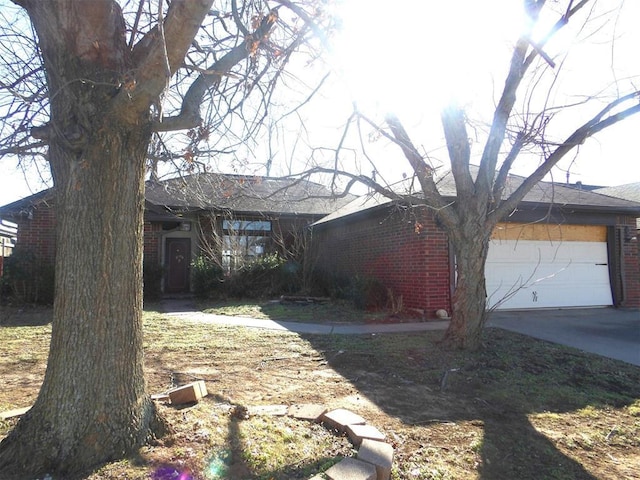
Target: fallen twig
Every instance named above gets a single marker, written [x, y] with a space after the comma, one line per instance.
[445, 376]
[432, 420]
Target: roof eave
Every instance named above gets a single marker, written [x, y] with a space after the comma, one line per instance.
[613, 209]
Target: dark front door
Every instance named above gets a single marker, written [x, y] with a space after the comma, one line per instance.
[177, 260]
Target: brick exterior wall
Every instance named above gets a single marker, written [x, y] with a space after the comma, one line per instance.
[630, 249]
[406, 251]
[152, 238]
[37, 235]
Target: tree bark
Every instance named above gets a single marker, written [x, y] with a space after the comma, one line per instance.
[470, 240]
[469, 302]
[92, 406]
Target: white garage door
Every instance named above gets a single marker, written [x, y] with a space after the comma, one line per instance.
[545, 274]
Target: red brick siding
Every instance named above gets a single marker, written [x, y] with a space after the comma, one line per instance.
[631, 263]
[152, 236]
[37, 234]
[408, 253]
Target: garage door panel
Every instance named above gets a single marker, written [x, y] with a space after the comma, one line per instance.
[527, 251]
[556, 297]
[513, 252]
[536, 274]
[589, 274]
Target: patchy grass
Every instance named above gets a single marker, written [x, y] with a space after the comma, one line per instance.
[521, 408]
[329, 312]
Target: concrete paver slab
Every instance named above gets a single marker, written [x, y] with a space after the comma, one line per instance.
[357, 433]
[379, 454]
[341, 418]
[308, 411]
[352, 469]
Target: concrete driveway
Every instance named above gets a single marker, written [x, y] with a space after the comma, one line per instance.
[605, 331]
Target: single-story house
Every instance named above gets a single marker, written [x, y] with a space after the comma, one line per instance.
[234, 218]
[562, 247]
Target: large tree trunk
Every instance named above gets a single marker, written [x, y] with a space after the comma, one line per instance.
[92, 406]
[469, 303]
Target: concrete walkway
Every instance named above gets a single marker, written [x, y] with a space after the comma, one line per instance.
[313, 328]
[609, 332]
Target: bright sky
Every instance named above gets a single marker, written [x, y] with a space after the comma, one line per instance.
[415, 57]
[412, 57]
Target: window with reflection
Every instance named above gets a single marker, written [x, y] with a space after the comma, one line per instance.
[243, 241]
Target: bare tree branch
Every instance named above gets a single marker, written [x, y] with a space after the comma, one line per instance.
[153, 52]
[455, 132]
[423, 171]
[520, 63]
[604, 119]
[189, 116]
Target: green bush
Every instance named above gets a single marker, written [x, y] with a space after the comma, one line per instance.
[207, 277]
[368, 293]
[365, 293]
[266, 276]
[28, 279]
[330, 284]
[152, 277]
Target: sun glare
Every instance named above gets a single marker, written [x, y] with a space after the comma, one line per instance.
[408, 56]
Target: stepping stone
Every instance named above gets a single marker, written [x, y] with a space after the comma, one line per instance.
[340, 419]
[352, 469]
[357, 433]
[274, 410]
[307, 411]
[379, 454]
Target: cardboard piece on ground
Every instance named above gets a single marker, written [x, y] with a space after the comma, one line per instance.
[16, 412]
[189, 393]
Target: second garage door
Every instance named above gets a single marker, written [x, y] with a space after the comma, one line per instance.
[542, 266]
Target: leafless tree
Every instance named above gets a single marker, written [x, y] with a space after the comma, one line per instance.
[86, 85]
[520, 127]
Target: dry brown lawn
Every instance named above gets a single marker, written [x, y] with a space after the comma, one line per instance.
[520, 409]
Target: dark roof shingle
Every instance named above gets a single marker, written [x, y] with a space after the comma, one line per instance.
[544, 193]
[628, 191]
[244, 194]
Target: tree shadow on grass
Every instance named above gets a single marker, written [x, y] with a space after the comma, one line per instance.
[241, 455]
[232, 464]
[498, 388]
[513, 448]
[25, 316]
